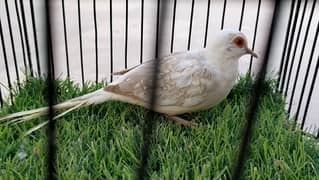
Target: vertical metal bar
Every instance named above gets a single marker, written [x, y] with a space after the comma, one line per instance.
[65, 41]
[242, 14]
[254, 100]
[295, 49]
[51, 97]
[35, 37]
[96, 44]
[149, 122]
[173, 26]
[289, 46]
[12, 43]
[5, 58]
[80, 38]
[25, 29]
[52, 62]
[142, 31]
[223, 16]
[20, 32]
[313, 82]
[307, 73]
[1, 99]
[207, 23]
[301, 57]
[111, 40]
[282, 62]
[191, 26]
[157, 28]
[126, 32]
[254, 40]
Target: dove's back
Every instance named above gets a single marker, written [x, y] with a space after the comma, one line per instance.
[187, 82]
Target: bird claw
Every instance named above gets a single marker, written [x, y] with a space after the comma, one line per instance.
[181, 121]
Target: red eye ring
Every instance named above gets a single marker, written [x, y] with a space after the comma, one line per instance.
[239, 42]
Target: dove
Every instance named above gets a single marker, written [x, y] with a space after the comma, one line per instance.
[187, 82]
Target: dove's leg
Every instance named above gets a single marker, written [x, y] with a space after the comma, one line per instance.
[181, 121]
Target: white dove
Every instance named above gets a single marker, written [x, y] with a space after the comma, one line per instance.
[187, 82]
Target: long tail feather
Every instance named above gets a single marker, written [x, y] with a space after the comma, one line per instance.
[21, 114]
[56, 117]
[95, 97]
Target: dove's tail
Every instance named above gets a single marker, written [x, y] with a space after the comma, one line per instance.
[96, 97]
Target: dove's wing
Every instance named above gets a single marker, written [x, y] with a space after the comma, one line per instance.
[129, 69]
[184, 80]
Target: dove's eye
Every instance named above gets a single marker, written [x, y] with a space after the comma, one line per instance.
[239, 42]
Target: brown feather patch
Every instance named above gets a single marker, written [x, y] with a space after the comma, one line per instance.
[116, 90]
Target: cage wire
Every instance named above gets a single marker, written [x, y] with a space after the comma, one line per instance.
[20, 34]
[286, 66]
[111, 34]
[307, 75]
[295, 49]
[111, 41]
[51, 96]
[66, 40]
[6, 62]
[12, 43]
[26, 37]
[254, 100]
[287, 63]
[301, 55]
[280, 71]
[310, 94]
[255, 35]
[1, 100]
[291, 39]
[149, 121]
[35, 37]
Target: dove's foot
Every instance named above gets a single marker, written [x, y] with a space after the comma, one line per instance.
[181, 121]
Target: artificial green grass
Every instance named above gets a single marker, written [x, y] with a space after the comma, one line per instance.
[104, 142]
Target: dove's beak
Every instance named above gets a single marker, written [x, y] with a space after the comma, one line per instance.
[249, 51]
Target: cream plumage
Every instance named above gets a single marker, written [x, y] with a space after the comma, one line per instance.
[187, 81]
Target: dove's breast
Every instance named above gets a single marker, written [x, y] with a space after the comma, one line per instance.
[224, 78]
[202, 88]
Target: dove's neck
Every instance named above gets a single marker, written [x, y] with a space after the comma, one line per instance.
[219, 58]
[226, 67]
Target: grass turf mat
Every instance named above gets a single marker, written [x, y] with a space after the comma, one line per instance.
[104, 141]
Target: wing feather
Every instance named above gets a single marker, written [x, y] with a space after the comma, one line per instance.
[183, 80]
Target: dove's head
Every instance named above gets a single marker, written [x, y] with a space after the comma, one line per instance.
[233, 44]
